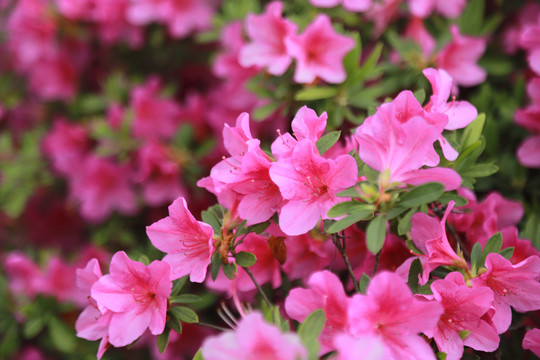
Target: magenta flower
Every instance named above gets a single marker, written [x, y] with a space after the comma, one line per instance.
[187, 242]
[460, 113]
[390, 313]
[460, 56]
[351, 5]
[310, 183]
[367, 347]
[136, 297]
[513, 285]
[319, 52]
[464, 322]
[102, 187]
[268, 33]
[531, 341]
[254, 339]
[326, 292]
[449, 8]
[387, 144]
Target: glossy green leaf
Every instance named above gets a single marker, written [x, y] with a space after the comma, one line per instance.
[327, 141]
[375, 234]
[245, 259]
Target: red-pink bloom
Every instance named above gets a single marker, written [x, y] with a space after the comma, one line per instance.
[155, 117]
[66, 145]
[101, 186]
[460, 113]
[268, 33]
[529, 151]
[325, 292]
[531, 341]
[464, 322]
[459, 58]
[390, 313]
[159, 174]
[310, 183]
[382, 13]
[319, 52]
[187, 242]
[513, 285]
[367, 347]
[59, 281]
[76, 9]
[351, 5]
[135, 295]
[54, 76]
[449, 8]
[254, 339]
[112, 22]
[24, 277]
[387, 144]
[429, 235]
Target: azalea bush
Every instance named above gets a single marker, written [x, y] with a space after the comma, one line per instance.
[322, 179]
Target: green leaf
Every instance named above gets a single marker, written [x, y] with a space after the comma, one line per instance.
[62, 338]
[184, 314]
[476, 254]
[463, 334]
[472, 18]
[414, 271]
[327, 141]
[33, 326]
[473, 132]
[310, 330]
[259, 228]
[480, 170]
[198, 355]
[263, 112]
[184, 299]
[348, 207]
[395, 212]
[404, 224]
[352, 59]
[216, 265]
[351, 192]
[230, 270]
[366, 71]
[178, 285]
[441, 355]
[493, 245]
[420, 95]
[316, 93]
[507, 252]
[375, 234]
[175, 324]
[349, 220]
[363, 283]
[245, 259]
[212, 218]
[447, 197]
[422, 194]
[163, 340]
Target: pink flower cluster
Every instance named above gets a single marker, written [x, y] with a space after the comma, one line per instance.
[125, 303]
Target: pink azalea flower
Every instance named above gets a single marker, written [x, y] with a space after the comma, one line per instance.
[449, 8]
[76, 9]
[351, 5]
[464, 311]
[54, 76]
[460, 113]
[429, 235]
[102, 187]
[306, 124]
[112, 23]
[159, 174]
[326, 292]
[66, 145]
[390, 313]
[319, 52]
[310, 183]
[59, 280]
[135, 295]
[254, 339]
[382, 13]
[367, 347]
[187, 242]
[268, 33]
[386, 143]
[24, 277]
[531, 341]
[528, 152]
[155, 117]
[513, 285]
[459, 58]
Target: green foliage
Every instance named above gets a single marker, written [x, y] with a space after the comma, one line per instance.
[375, 234]
[310, 330]
[327, 141]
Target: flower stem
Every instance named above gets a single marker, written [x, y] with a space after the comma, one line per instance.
[339, 243]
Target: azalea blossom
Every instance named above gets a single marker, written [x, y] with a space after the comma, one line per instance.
[254, 339]
[187, 242]
[319, 52]
[268, 33]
